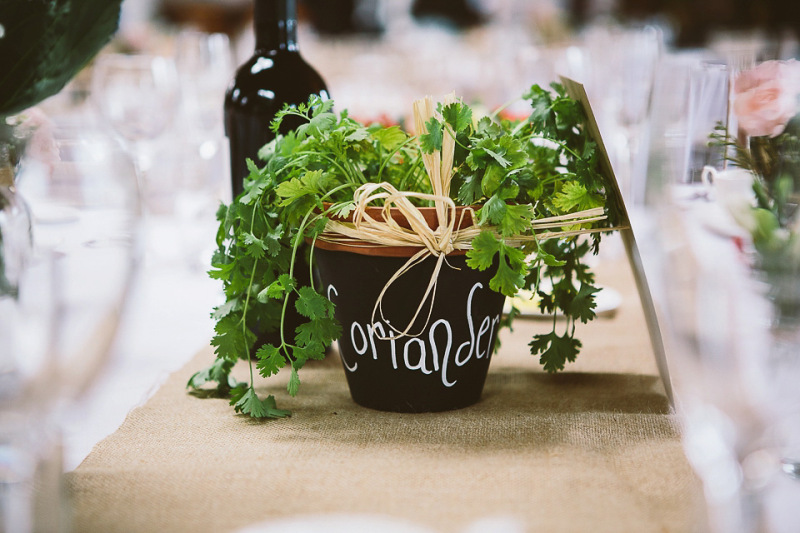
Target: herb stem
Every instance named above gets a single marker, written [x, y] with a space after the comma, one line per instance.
[295, 246]
[503, 107]
[246, 306]
[561, 144]
[327, 158]
[391, 155]
[413, 169]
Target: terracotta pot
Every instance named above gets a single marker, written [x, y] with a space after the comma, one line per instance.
[364, 248]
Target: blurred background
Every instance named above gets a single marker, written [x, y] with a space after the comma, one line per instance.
[487, 50]
[657, 73]
[377, 56]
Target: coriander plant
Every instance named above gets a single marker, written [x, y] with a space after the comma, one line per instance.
[511, 172]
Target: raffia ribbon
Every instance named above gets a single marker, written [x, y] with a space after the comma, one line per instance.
[447, 236]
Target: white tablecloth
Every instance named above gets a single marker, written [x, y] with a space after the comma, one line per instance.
[166, 322]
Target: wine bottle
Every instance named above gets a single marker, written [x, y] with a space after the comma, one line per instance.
[276, 75]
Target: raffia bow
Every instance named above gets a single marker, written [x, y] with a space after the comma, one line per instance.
[447, 236]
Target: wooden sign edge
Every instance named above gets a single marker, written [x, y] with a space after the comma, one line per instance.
[577, 92]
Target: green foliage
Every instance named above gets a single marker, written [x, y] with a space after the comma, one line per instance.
[574, 196]
[511, 172]
[46, 42]
[555, 350]
[431, 141]
[458, 115]
[219, 372]
[734, 152]
[245, 401]
[775, 163]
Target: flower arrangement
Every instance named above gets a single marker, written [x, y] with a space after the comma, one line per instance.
[765, 98]
[767, 143]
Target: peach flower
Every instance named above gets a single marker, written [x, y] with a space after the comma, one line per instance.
[765, 97]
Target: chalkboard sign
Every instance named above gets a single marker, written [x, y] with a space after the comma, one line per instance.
[444, 364]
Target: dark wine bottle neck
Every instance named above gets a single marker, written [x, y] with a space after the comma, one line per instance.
[275, 24]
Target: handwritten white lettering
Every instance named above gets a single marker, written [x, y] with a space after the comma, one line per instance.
[483, 329]
[439, 345]
[421, 365]
[434, 350]
[471, 343]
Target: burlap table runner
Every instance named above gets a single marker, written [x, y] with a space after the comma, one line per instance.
[592, 449]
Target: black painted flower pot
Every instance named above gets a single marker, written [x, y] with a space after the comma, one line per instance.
[443, 366]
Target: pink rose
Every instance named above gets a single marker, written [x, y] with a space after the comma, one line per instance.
[767, 71]
[765, 97]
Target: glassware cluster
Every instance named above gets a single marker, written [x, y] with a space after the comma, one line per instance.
[62, 306]
[733, 335]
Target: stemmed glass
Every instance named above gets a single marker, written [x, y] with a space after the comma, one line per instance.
[58, 329]
[15, 466]
[205, 66]
[137, 97]
[622, 62]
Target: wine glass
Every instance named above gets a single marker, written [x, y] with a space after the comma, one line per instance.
[83, 198]
[137, 97]
[622, 66]
[15, 367]
[205, 65]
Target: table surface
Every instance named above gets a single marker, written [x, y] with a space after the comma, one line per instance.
[167, 320]
[592, 449]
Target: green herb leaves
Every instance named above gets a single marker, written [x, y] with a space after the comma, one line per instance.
[457, 116]
[486, 249]
[511, 173]
[555, 350]
[573, 196]
[273, 317]
[245, 400]
[517, 172]
[431, 141]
